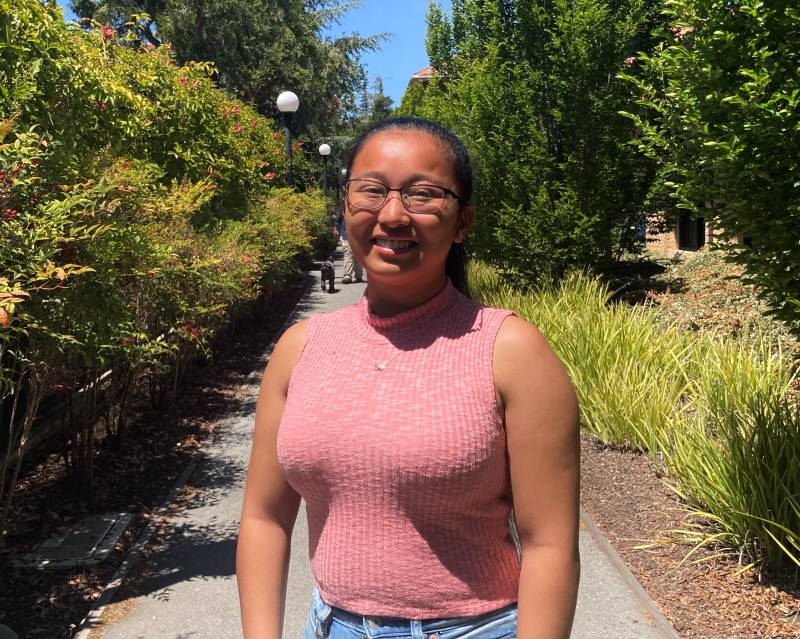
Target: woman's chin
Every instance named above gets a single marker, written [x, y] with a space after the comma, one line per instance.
[389, 261]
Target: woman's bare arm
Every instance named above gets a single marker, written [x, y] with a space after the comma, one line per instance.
[540, 411]
[270, 504]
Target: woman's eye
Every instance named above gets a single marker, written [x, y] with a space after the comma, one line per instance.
[422, 193]
[372, 191]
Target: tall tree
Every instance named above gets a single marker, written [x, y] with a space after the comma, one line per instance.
[118, 14]
[439, 43]
[259, 48]
[531, 86]
[723, 118]
[380, 103]
[262, 47]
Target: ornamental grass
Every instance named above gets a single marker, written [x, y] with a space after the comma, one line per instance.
[712, 412]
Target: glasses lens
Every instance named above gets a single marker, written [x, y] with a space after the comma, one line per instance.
[423, 198]
[366, 194]
[417, 198]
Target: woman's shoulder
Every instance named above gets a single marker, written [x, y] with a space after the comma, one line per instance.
[296, 330]
[291, 342]
[471, 305]
[485, 315]
[516, 333]
[524, 359]
[318, 324]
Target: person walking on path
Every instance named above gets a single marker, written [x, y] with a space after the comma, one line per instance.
[455, 415]
[353, 272]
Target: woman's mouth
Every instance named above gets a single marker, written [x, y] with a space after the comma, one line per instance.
[393, 245]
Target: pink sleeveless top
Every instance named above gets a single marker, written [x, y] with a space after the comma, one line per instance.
[403, 470]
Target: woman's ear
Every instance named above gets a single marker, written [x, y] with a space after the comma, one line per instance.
[465, 220]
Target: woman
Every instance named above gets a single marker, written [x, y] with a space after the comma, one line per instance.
[454, 414]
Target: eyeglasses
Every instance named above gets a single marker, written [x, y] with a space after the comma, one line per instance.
[425, 199]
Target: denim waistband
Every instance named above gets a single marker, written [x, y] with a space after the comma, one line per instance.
[389, 624]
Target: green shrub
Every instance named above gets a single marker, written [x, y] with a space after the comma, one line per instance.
[711, 295]
[140, 211]
[737, 471]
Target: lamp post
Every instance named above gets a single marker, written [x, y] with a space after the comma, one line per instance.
[288, 103]
[342, 181]
[325, 151]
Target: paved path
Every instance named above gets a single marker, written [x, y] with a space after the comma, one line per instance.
[191, 590]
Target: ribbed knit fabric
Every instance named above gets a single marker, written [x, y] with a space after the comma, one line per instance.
[404, 470]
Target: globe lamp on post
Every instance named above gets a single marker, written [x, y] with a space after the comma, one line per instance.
[325, 151]
[288, 104]
[341, 182]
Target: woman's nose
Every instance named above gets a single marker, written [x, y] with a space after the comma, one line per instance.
[393, 212]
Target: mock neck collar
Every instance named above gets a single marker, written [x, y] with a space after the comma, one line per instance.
[406, 324]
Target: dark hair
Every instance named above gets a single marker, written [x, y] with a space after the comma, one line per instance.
[456, 264]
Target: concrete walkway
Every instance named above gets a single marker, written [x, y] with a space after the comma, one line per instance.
[191, 588]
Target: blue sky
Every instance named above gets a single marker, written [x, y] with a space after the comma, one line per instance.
[404, 53]
[401, 55]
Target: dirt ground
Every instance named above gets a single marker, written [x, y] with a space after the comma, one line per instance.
[619, 491]
[706, 600]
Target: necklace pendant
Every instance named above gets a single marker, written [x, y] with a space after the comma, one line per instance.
[378, 367]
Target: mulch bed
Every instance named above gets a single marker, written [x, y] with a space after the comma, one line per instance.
[707, 600]
[619, 491]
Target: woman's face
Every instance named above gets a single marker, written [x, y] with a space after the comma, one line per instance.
[393, 244]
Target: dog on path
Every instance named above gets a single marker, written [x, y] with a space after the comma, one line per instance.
[327, 275]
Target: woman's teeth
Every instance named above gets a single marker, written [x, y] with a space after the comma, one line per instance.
[393, 244]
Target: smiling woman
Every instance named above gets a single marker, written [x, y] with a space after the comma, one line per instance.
[403, 241]
[454, 415]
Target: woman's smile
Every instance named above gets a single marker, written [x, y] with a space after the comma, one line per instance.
[393, 246]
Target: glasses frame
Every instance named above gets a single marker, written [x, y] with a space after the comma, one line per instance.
[399, 190]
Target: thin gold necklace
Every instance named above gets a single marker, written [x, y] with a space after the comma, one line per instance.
[381, 366]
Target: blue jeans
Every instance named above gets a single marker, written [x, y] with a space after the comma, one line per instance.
[327, 622]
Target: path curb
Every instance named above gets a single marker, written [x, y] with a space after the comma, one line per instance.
[649, 606]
